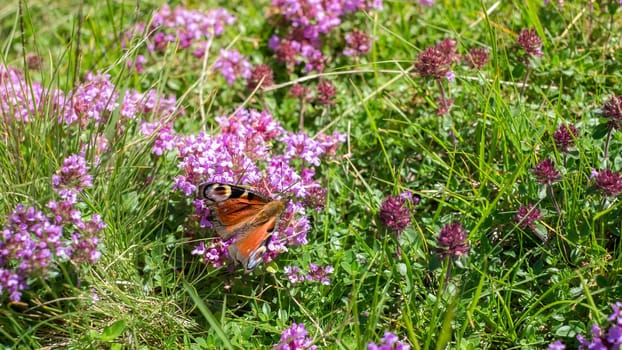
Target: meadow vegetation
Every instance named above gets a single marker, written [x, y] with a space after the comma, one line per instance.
[450, 173]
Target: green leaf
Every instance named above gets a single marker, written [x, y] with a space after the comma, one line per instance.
[113, 331]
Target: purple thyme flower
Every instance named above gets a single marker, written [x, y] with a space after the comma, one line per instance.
[295, 338]
[94, 99]
[565, 136]
[232, 65]
[326, 92]
[609, 182]
[612, 109]
[320, 274]
[433, 63]
[165, 137]
[529, 40]
[294, 275]
[72, 178]
[261, 74]
[137, 64]
[526, 216]
[477, 57]
[606, 337]
[190, 29]
[251, 148]
[389, 341]
[22, 100]
[558, 345]
[395, 214]
[428, 3]
[306, 23]
[452, 241]
[357, 43]
[545, 172]
[616, 316]
[216, 254]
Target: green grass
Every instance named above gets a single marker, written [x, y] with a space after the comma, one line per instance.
[473, 165]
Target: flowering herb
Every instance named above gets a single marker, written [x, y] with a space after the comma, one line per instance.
[477, 57]
[452, 241]
[316, 274]
[545, 172]
[612, 109]
[251, 148]
[389, 341]
[188, 29]
[530, 42]
[300, 39]
[34, 243]
[609, 182]
[527, 216]
[232, 65]
[565, 136]
[605, 337]
[295, 338]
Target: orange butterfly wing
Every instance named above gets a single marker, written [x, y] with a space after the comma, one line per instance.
[245, 215]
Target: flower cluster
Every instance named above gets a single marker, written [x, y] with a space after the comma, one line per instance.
[389, 341]
[295, 338]
[477, 57]
[251, 148]
[527, 216]
[602, 337]
[436, 61]
[452, 241]
[92, 101]
[307, 22]
[609, 182]
[530, 42]
[231, 64]
[260, 75]
[32, 243]
[316, 273]
[612, 109]
[188, 29]
[565, 136]
[395, 212]
[357, 43]
[545, 172]
[20, 100]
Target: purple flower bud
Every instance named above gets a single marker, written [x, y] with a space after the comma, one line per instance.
[452, 241]
[609, 182]
[545, 172]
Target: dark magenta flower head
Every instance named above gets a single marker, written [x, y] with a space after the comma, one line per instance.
[526, 216]
[531, 43]
[394, 213]
[565, 136]
[545, 172]
[452, 241]
[609, 182]
[326, 92]
[261, 74]
[435, 63]
[612, 109]
[357, 43]
[477, 57]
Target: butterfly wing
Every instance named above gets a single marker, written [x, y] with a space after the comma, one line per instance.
[251, 241]
[245, 215]
[232, 207]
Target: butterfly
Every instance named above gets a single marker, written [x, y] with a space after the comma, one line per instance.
[246, 216]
